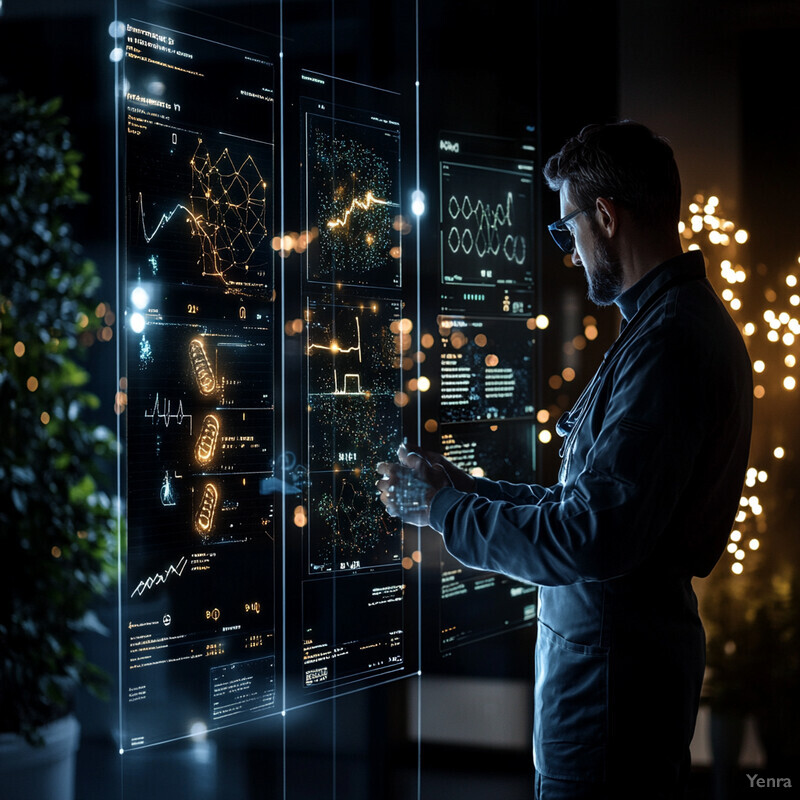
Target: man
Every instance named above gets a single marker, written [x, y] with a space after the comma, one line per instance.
[653, 460]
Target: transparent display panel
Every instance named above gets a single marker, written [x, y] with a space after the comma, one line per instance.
[199, 604]
[352, 197]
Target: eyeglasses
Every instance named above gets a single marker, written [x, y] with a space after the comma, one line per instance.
[561, 234]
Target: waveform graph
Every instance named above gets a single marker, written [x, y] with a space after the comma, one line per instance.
[486, 218]
[352, 191]
[203, 211]
[352, 380]
[353, 424]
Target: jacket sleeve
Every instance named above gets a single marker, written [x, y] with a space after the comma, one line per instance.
[521, 493]
[607, 518]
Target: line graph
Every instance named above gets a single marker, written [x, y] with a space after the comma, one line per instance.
[156, 414]
[226, 212]
[335, 348]
[364, 205]
[487, 221]
[160, 577]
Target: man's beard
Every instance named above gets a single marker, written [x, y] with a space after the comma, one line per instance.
[605, 280]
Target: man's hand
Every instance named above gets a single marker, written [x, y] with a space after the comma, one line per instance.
[407, 488]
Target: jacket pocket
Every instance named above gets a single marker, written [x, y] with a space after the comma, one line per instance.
[570, 725]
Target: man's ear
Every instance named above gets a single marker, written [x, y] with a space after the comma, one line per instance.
[607, 216]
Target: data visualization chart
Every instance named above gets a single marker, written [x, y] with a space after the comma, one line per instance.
[352, 201]
[353, 380]
[198, 388]
[486, 369]
[486, 225]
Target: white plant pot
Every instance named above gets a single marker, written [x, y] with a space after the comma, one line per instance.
[40, 773]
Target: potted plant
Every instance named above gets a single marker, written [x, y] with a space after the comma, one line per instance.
[58, 521]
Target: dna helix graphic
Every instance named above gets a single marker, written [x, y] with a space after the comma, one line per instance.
[488, 240]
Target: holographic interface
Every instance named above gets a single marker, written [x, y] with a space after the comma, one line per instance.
[199, 610]
[352, 200]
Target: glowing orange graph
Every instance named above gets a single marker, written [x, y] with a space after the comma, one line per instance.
[363, 205]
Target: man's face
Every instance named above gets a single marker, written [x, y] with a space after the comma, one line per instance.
[594, 252]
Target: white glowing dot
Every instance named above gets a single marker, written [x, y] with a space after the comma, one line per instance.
[137, 322]
[736, 536]
[742, 501]
[116, 29]
[790, 360]
[741, 516]
[779, 452]
[198, 729]
[140, 298]
[762, 476]
[784, 317]
[545, 436]
[741, 276]
[542, 321]
[788, 339]
[418, 203]
[795, 299]
[713, 201]
[116, 54]
[769, 315]
[741, 236]
[732, 548]
[737, 568]
[739, 554]
[789, 383]
[736, 304]
[753, 501]
[759, 366]
[791, 280]
[727, 295]
[693, 247]
[754, 544]
[423, 384]
[773, 336]
[749, 329]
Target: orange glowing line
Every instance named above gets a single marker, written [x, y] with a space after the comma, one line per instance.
[365, 204]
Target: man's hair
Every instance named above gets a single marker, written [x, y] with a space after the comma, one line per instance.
[625, 161]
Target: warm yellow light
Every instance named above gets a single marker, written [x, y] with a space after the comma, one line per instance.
[795, 299]
[694, 208]
[681, 227]
[590, 332]
[790, 360]
[736, 536]
[784, 318]
[754, 544]
[542, 321]
[788, 339]
[693, 247]
[545, 436]
[732, 547]
[758, 391]
[759, 366]
[727, 295]
[19, 349]
[791, 280]
[32, 384]
[739, 554]
[427, 340]
[736, 304]
[779, 452]
[542, 415]
[423, 384]
[789, 383]
[741, 236]
[737, 568]
[769, 315]
[773, 336]
[749, 329]
[715, 237]
[713, 201]
[568, 374]
[762, 476]
[743, 501]
[741, 516]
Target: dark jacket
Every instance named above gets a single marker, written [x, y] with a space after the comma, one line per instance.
[653, 463]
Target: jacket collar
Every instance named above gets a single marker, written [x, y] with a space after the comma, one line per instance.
[687, 266]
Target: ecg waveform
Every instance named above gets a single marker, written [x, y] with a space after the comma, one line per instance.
[160, 577]
[488, 222]
[226, 211]
[335, 347]
[364, 205]
[166, 416]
